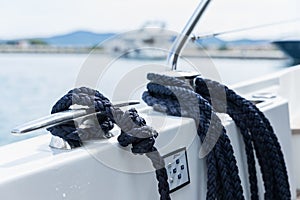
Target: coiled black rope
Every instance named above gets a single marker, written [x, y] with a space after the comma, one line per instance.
[134, 130]
[258, 134]
[174, 97]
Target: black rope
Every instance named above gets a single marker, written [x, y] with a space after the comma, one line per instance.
[176, 98]
[134, 130]
[258, 134]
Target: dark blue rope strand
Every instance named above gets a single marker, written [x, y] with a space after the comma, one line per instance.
[134, 130]
[180, 100]
[250, 119]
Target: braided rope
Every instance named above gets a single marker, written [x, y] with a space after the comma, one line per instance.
[256, 129]
[164, 94]
[176, 98]
[134, 130]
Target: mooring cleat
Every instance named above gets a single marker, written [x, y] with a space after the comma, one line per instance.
[187, 76]
[62, 117]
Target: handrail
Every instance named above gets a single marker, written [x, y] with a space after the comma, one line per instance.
[182, 39]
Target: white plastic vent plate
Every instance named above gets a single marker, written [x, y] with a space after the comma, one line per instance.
[177, 168]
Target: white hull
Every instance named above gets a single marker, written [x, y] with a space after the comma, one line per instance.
[102, 170]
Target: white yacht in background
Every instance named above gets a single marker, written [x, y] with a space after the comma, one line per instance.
[101, 169]
[141, 43]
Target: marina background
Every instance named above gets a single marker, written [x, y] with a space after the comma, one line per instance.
[31, 83]
[43, 44]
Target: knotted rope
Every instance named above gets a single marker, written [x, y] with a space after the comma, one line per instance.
[134, 130]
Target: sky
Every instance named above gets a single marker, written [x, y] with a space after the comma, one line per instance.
[38, 18]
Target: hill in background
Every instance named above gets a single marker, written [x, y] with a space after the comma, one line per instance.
[74, 39]
[78, 38]
[91, 39]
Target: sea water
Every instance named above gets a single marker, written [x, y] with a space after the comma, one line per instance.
[31, 83]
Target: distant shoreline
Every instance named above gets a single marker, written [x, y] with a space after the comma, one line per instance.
[49, 50]
[213, 53]
[270, 54]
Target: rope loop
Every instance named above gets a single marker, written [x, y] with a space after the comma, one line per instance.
[258, 135]
[134, 130]
[176, 98]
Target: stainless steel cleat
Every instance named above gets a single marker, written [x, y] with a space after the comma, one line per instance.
[82, 117]
[61, 117]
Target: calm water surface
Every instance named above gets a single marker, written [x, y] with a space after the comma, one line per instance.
[31, 83]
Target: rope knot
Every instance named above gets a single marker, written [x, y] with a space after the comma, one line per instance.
[139, 135]
[134, 130]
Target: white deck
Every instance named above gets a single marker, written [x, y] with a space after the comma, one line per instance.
[30, 169]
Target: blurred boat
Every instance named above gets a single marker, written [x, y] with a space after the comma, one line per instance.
[147, 42]
[291, 48]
